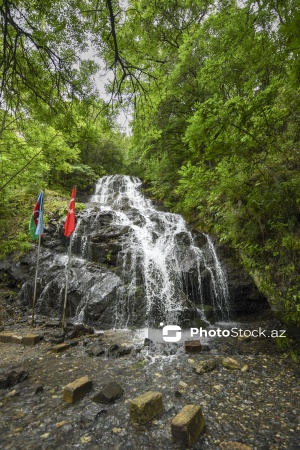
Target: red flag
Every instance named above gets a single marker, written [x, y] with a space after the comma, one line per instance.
[69, 226]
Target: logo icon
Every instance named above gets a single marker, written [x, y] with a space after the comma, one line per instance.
[169, 335]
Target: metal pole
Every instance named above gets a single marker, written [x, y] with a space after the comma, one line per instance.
[67, 283]
[35, 281]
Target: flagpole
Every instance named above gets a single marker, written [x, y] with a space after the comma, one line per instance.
[35, 281]
[40, 230]
[69, 227]
[67, 283]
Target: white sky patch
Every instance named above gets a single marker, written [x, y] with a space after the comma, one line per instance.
[101, 79]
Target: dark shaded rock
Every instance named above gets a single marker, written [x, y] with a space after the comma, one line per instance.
[11, 377]
[90, 415]
[57, 338]
[110, 392]
[96, 350]
[74, 343]
[192, 346]
[113, 350]
[83, 329]
[125, 350]
[6, 336]
[72, 334]
[178, 394]
[37, 389]
[23, 385]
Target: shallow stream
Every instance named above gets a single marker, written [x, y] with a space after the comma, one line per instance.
[257, 406]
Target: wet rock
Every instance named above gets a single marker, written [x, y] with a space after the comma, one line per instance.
[231, 445]
[188, 425]
[205, 347]
[57, 338]
[192, 346]
[6, 337]
[37, 388]
[231, 364]
[205, 366]
[110, 392]
[72, 334]
[91, 414]
[23, 385]
[113, 351]
[77, 389]
[52, 324]
[82, 329]
[96, 350]
[146, 407]
[125, 349]
[60, 348]
[11, 377]
[178, 394]
[16, 339]
[31, 339]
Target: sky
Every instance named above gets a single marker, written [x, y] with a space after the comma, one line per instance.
[102, 77]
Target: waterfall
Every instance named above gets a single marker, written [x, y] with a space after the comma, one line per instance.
[158, 260]
[132, 265]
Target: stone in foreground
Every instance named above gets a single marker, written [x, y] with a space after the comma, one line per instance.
[192, 346]
[16, 339]
[146, 407]
[205, 366]
[59, 348]
[187, 425]
[110, 392]
[231, 364]
[11, 377]
[31, 339]
[77, 389]
[5, 337]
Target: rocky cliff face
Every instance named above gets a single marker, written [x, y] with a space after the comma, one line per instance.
[133, 265]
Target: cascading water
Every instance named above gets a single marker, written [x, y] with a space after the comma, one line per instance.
[159, 263]
[132, 265]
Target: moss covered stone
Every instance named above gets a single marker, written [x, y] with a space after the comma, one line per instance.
[146, 407]
[187, 425]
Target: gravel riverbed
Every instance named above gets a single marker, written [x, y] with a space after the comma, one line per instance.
[256, 405]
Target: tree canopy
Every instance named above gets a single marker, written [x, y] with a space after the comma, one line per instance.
[214, 90]
[218, 138]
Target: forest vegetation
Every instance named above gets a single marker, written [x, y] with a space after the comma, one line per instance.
[214, 90]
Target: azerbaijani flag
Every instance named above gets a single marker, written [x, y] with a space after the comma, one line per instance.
[36, 223]
[69, 226]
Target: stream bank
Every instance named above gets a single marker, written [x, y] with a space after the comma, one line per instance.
[257, 406]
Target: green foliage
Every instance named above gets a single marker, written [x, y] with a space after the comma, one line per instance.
[219, 137]
[15, 212]
[14, 219]
[214, 88]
